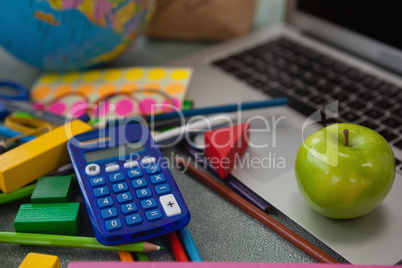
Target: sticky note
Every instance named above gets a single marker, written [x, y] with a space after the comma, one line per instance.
[117, 91]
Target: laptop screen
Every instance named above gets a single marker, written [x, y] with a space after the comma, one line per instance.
[377, 19]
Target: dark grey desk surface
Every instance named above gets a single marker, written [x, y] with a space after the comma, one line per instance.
[221, 231]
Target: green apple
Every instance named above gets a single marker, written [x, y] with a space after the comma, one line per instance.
[344, 176]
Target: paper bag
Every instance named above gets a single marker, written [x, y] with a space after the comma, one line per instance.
[201, 19]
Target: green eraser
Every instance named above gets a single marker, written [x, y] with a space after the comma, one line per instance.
[52, 190]
[56, 218]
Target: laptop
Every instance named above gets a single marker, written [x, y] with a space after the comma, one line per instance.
[334, 51]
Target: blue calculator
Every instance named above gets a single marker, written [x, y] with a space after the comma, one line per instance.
[128, 189]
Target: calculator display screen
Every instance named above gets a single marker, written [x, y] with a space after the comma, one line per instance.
[123, 149]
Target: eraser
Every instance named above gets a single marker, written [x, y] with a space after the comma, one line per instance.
[33, 159]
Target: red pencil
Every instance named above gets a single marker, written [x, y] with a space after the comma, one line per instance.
[257, 213]
[176, 247]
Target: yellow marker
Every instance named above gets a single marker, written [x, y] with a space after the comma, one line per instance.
[34, 159]
[36, 260]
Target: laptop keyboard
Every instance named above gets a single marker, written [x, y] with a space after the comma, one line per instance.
[310, 80]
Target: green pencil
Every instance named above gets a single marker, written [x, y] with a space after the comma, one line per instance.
[17, 195]
[71, 241]
[142, 256]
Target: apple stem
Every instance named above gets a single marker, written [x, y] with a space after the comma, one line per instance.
[346, 136]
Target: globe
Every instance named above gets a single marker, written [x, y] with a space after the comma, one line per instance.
[65, 35]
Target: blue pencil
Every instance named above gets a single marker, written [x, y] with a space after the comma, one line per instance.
[222, 109]
[9, 133]
[189, 244]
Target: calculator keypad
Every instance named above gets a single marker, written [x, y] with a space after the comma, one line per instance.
[170, 205]
[133, 219]
[109, 213]
[143, 193]
[139, 183]
[116, 177]
[101, 191]
[153, 215]
[134, 173]
[129, 208]
[92, 169]
[95, 182]
[138, 192]
[148, 204]
[112, 168]
[162, 189]
[124, 198]
[113, 225]
[105, 202]
[155, 179]
[120, 187]
[152, 169]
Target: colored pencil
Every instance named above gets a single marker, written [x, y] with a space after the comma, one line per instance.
[258, 214]
[176, 247]
[189, 244]
[141, 256]
[17, 195]
[126, 256]
[237, 186]
[70, 241]
[221, 109]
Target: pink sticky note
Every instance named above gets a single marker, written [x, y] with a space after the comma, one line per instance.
[214, 265]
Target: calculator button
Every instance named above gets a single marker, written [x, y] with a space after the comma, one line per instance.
[139, 183]
[120, 187]
[95, 182]
[143, 193]
[134, 173]
[152, 169]
[105, 202]
[92, 169]
[162, 189]
[116, 177]
[153, 215]
[149, 203]
[130, 164]
[101, 191]
[112, 168]
[113, 225]
[170, 205]
[133, 219]
[109, 213]
[155, 179]
[129, 208]
[124, 198]
[148, 160]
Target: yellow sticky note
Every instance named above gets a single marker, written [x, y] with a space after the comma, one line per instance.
[36, 260]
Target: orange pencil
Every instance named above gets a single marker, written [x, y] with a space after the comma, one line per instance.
[126, 256]
[176, 247]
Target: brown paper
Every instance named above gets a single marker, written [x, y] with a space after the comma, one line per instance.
[201, 19]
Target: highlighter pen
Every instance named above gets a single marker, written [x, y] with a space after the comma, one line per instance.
[9, 133]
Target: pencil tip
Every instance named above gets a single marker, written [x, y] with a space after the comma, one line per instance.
[161, 248]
